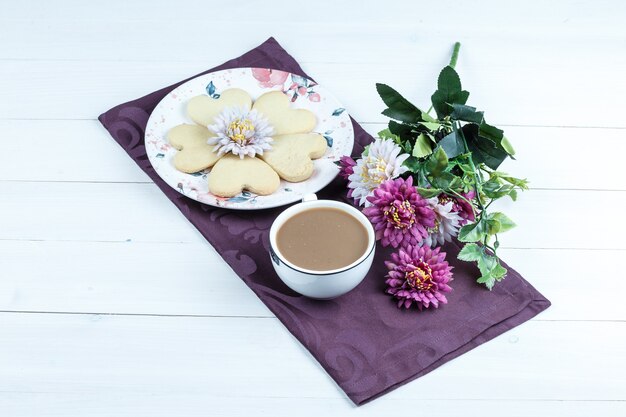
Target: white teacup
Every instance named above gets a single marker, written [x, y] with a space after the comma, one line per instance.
[321, 284]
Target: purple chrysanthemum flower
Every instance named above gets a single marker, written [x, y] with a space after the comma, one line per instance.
[419, 275]
[460, 206]
[464, 208]
[347, 166]
[399, 214]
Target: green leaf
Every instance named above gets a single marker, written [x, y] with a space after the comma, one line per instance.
[472, 232]
[491, 186]
[448, 92]
[490, 269]
[399, 108]
[506, 224]
[488, 280]
[428, 192]
[495, 189]
[498, 272]
[491, 132]
[422, 146]
[493, 227]
[506, 145]
[422, 181]
[449, 81]
[470, 252]
[401, 130]
[483, 150]
[386, 134]
[519, 182]
[413, 164]
[452, 144]
[437, 162]
[428, 118]
[496, 136]
[445, 181]
[486, 264]
[466, 168]
[466, 113]
[432, 126]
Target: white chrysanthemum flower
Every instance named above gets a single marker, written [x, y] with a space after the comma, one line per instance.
[241, 132]
[447, 223]
[382, 162]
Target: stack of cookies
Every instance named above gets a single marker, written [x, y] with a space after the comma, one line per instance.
[293, 145]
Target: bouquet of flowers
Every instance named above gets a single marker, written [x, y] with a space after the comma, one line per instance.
[428, 179]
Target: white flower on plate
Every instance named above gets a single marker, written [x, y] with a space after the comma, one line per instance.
[241, 132]
[447, 223]
[382, 162]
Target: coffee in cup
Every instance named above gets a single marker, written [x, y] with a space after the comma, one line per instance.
[322, 239]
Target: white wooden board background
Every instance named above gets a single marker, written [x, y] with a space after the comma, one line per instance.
[94, 323]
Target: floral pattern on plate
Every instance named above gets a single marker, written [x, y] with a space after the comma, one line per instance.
[332, 122]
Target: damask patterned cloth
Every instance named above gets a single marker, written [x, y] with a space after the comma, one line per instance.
[364, 342]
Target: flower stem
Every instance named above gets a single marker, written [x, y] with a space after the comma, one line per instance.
[455, 54]
[477, 181]
[478, 190]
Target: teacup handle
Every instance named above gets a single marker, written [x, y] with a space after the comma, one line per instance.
[309, 197]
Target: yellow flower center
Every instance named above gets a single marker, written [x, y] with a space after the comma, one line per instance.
[435, 228]
[402, 215]
[444, 199]
[239, 130]
[379, 167]
[421, 277]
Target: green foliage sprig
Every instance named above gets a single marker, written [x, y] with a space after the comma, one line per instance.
[454, 153]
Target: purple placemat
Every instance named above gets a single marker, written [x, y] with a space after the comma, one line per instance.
[366, 344]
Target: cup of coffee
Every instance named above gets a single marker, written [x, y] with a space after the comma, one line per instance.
[321, 248]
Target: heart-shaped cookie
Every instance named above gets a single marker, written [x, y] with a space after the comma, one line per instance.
[204, 109]
[291, 155]
[285, 121]
[194, 153]
[231, 175]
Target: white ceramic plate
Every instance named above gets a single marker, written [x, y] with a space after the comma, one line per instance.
[332, 121]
